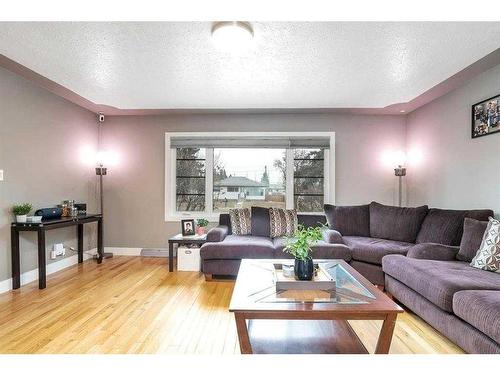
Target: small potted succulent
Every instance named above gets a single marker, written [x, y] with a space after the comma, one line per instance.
[299, 246]
[201, 224]
[21, 211]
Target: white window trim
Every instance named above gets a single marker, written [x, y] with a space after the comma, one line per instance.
[170, 181]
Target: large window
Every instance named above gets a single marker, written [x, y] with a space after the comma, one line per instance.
[207, 173]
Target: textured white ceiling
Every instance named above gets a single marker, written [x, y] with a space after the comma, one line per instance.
[288, 65]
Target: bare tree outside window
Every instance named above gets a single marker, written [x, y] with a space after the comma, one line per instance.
[190, 179]
[308, 179]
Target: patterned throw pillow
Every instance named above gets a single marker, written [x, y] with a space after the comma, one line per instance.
[488, 256]
[240, 221]
[283, 222]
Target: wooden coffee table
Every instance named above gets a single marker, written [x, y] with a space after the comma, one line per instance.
[298, 321]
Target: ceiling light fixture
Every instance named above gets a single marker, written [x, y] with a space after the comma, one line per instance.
[232, 35]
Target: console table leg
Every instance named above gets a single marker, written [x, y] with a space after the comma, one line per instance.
[15, 258]
[243, 338]
[385, 337]
[170, 257]
[42, 272]
[80, 243]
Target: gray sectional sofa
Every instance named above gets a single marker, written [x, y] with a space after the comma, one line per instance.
[420, 255]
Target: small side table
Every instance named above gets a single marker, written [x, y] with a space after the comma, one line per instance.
[179, 239]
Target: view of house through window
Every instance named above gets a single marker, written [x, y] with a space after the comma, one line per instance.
[245, 177]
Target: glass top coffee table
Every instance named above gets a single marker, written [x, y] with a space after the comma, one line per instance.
[307, 318]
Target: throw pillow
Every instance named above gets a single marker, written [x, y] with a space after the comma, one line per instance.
[260, 221]
[471, 239]
[396, 223]
[488, 255]
[349, 220]
[283, 222]
[240, 221]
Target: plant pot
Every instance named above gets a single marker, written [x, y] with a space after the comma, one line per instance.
[304, 269]
[21, 218]
[200, 231]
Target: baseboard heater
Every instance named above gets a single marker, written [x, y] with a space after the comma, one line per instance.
[154, 253]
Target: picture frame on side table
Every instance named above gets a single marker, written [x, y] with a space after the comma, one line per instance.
[188, 228]
[485, 117]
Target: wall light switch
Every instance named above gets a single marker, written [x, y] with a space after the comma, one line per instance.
[1, 174]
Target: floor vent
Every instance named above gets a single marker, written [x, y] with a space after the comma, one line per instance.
[155, 253]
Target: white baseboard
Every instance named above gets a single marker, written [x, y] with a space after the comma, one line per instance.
[125, 251]
[30, 276]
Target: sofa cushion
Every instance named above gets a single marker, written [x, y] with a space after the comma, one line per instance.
[471, 239]
[239, 247]
[372, 250]
[446, 226]
[311, 220]
[438, 280]
[225, 220]
[349, 220]
[396, 223]
[320, 250]
[481, 309]
[260, 221]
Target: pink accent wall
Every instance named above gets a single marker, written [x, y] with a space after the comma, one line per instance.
[454, 170]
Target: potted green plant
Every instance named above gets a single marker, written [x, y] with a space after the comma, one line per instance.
[299, 246]
[201, 224]
[21, 211]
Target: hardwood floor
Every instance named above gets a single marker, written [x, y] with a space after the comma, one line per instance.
[133, 305]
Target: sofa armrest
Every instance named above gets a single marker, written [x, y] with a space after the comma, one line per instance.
[332, 236]
[433, 251]
[217, 234]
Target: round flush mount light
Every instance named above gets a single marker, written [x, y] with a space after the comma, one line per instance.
[232, 35]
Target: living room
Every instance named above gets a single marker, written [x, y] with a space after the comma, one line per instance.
[299, 186]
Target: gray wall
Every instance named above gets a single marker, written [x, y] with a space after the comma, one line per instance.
[455, 171]
[134, 191]
[41, 140]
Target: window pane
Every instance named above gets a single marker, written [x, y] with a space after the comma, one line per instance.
[308, 168]
[190, 168]
[191, 186]
[245, 177]
[190, 203]
[309, 153]
[308, 179]
[308, 186]
[190, 179]
[304, 203]
[190, 153]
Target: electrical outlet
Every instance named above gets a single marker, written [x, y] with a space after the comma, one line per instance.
[59, 249]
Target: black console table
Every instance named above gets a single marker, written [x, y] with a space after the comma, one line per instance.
[41, 228]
